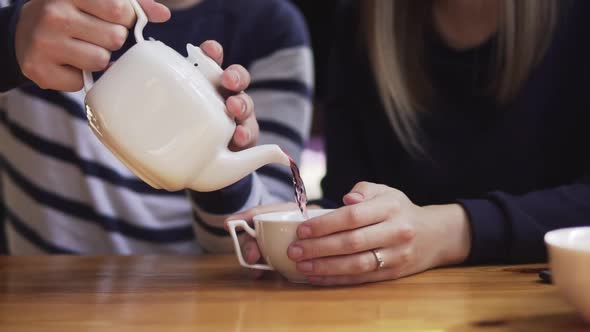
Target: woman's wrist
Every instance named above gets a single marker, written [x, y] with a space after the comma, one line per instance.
[454, 231]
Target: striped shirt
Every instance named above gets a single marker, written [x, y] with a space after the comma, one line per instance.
[64, 192]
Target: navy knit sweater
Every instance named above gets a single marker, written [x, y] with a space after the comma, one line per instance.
[519, 169]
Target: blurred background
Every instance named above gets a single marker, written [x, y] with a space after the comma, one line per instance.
[318, 15]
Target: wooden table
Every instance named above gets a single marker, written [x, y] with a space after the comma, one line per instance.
[214, 294]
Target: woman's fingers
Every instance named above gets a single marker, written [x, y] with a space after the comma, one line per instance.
[363, 191]
[385, 234]
[357, 264]
[349, 217]
[340, 265]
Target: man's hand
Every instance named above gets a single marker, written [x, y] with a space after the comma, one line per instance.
[57, 39]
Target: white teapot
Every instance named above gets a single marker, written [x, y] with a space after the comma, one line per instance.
[162, 116]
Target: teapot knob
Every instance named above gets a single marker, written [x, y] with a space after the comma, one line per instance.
[207, 66]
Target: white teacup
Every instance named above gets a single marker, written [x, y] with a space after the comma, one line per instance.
[274, 232]
[569, 258]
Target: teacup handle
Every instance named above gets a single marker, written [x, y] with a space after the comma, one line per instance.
[232, 231]
[139, 25]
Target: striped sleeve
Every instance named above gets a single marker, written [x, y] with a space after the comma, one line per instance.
[64, 192]
[282, 89]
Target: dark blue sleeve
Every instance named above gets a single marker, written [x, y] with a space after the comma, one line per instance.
[510, 229]
[263, 27]
[227, 200]
[10, 74]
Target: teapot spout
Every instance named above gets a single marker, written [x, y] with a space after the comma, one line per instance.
[230, 167]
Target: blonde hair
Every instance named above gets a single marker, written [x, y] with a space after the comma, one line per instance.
[395, 35]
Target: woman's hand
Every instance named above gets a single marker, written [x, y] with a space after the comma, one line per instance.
[338, 248]
[240, 106]
[57, 39]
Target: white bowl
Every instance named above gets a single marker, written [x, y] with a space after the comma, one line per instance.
[569, 258]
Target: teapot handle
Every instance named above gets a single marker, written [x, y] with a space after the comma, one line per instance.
[139, 25]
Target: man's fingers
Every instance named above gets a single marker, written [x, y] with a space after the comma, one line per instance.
[70, 79]
[155, 11]
[122, 12]
[236, 78]
[85, 56]
[250, 251]
[98, 32]
[214, 50]
[241, 107]
[114, 11]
